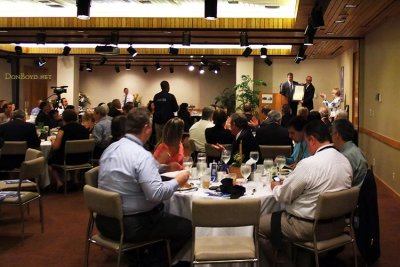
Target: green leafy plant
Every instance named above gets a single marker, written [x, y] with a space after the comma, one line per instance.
[247, 94]
[227, 98]
[237, 160]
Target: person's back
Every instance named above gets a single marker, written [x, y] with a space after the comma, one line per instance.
[272, 133]
[197, 131]
[165, 105]
[218, 134]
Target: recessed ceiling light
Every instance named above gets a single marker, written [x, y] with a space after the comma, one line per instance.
[350, 6]
[341, 20]
[330, 33]
[3, 31]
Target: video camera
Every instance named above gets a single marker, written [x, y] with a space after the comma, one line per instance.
[58, 90]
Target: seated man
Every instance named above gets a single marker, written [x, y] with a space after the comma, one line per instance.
[197, 131]
[342, 136]
[296, 133]
[127, 168]
[218, 134]
[272, 133]
[101, 131]
[327, 170]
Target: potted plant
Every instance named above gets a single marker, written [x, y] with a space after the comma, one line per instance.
[247, 94]
[228, 99]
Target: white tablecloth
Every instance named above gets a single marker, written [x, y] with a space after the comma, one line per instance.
[181, 204]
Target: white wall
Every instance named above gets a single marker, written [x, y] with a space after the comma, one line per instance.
[345, 60]
[5, 83]
[104, 84]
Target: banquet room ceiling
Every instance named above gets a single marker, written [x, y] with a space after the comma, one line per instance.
[346, 22]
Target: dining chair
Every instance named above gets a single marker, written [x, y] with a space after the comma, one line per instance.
[333, 206]
[31, 169]
[225, 213]
[270, 152]
[212, 151]
[15, 150]
[76, 147]
[192, 146]
[109, 204]
[92, 176]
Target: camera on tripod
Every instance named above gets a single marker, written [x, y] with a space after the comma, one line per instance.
[58, 90]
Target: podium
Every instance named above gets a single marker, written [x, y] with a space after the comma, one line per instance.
[278, 101]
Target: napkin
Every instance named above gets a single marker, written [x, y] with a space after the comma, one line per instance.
[251, 162]
[227, 187]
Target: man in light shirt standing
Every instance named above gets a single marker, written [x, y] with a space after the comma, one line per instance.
[327, 170]
[127, 97]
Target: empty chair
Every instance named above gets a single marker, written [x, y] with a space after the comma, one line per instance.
[92, 176]
[225, 213]
[105, 203]
[270, 152]
[30, 169]
[76, 147]
[332, 206]
[12, 155]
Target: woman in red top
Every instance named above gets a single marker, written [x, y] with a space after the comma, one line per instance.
[170, 149]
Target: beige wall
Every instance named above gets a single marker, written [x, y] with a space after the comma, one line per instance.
[5, 83]
[381, 59]
[104, 84]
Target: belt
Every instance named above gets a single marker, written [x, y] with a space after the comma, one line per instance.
[312, 220]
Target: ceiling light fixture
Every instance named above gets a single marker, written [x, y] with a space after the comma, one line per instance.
[186, 38]
[128, 66]
[210, 9]
[217, 69]
[66, 50]
[88, 67]
[204, 61]
[173, 51]
[301, 52]
[309, 35]
[132, 51]
[158, 66]
[41, 61]
[350, 6]
[244, 40]
[171, 69]
[103, 60]
[247, 52]
[317, 17]
[341, 19]
[268, 61]
[190, 67]
[40, 38]
[117, 70]
[201, 70]
[145, 70]
[18, 50]
[263, 52]
[83, 9]
[114, 39]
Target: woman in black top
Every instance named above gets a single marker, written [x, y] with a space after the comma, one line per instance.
[71, 130]
[218, 134]
[184, 114]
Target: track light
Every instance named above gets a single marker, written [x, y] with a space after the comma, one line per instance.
[217, 69]
[247, 52]
[117, 70]
[244, 40]
[114, 39]
[309, 35]
[204, 61]
[145, 70]
[190, 67]
[83, 9]
[268, 61]
[18, 50]
[132, 51]
[263, 52]
[186, 38]
[158, 66]
[297, 60]
[210, 9]
[173, 51]
[66, 50]
[201, 70]
[128, 66]
[41, 61]
[317, 17]
[41, 38]
[103, 60]
[171, 69]
[88, 67]
[301, 52]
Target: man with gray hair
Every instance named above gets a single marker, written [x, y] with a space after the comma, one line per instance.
[101, 131]
[271, 132]
[127, 168]
[18, 130]
[198, 130]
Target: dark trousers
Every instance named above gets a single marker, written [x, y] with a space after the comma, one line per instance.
[152, 225]
[293, 106]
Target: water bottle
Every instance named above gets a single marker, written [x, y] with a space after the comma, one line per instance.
[214, 172]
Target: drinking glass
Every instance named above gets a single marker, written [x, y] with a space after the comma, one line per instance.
[245, 170]
[280, 161]
[254, 155]
[268, 164]
[187, 163]
[201, 157]
[225, 156]
[201, 168]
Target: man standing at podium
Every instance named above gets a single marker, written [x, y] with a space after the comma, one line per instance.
[287, 89]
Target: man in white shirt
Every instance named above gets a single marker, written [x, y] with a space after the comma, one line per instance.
[198, 130]
[127, 97]
[327, 170]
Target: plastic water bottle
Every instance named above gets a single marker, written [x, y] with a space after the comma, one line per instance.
[213, 172]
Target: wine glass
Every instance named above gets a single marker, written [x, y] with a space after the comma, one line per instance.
[187, 163]
[254, 155]
[268, 164]
[225, 156]
[280, 161]
[245, 170]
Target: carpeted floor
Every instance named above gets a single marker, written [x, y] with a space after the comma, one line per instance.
[63, 241]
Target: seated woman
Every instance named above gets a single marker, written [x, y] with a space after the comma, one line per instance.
[71, 130]
[218, 134]
[170, 149]
[184, 114]
[251, 119]
[88, 121]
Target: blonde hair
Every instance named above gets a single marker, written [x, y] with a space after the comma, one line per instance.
[337, 91]
[172, 132]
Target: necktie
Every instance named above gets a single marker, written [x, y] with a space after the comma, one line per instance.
[125, 100]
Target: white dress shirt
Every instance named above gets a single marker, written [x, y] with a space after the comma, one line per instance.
[198, 133]
[129, 98]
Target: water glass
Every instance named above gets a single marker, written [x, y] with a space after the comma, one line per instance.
[245, 170]
[201, 157]
[187, 163]
[280, 161]
[254, 155]
[201, 168]
[268, 164]
[226, 156]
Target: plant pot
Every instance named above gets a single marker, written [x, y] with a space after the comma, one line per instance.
[234, 169]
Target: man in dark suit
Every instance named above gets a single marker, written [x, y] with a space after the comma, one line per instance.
[287, 89]
[309, 91]
[241, 131]
[272, 133]
[18, 130]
